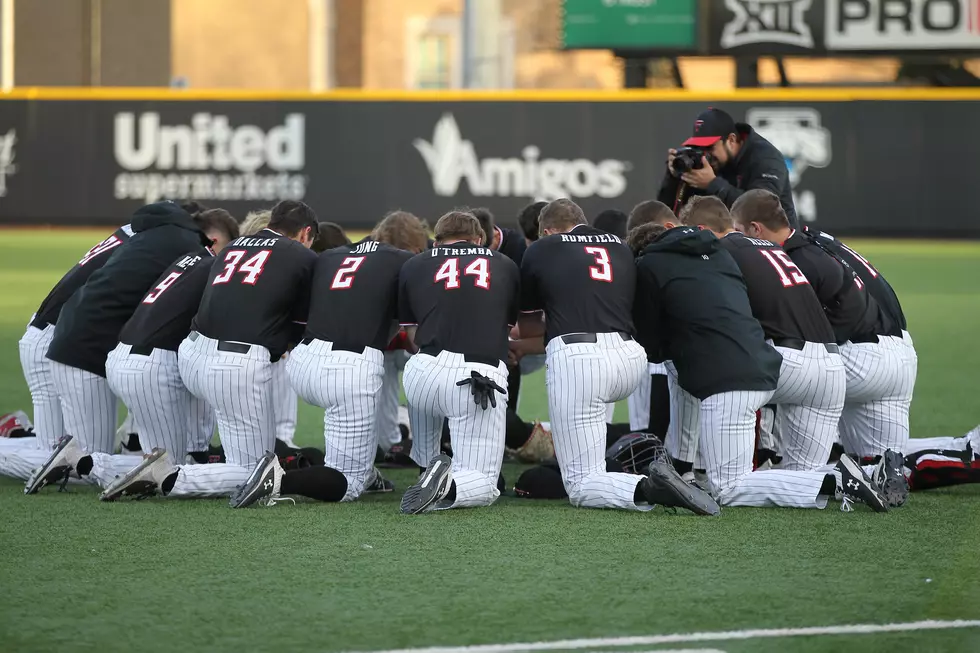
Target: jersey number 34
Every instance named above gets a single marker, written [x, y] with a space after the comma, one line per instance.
[252, 267]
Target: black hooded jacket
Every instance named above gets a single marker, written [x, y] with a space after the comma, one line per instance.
[692, 308]
[90, 322]
[758, 165]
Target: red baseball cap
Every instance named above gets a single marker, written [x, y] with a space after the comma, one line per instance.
[710, 127]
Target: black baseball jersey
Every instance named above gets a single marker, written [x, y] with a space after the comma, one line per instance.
[258, 292]
[877, 285]
[512, 244]
[462, 297]
[780, 295]
[90, 321]
[583, 280]
[163, 318]
[355, 295]
[76, 277]
[853, 313]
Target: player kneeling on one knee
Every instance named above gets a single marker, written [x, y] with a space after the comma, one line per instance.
[692, 307]
[583, 280]
[339, 365]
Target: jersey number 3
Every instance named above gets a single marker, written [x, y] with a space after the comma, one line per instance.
[252, 267]
[602, 270]
[789, 274]
[448, 273]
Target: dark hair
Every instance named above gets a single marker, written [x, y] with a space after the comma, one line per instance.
[760, 206]
[527, 220]
[329, 235]
[217, 219]
[639, 238]
[612, 221]
[647, 212]
[459, 225]
[290, 217]
[193, 207]
[485, 217]
[561, 214]
[402, 230]
[706, 210]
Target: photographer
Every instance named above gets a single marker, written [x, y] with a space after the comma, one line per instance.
[724, 158]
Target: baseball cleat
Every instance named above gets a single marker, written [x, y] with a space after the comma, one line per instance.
[263, 484]
[58, 467]
[889, 475]
[432, 487]
[857, 486]
[664, 486]
[142, 481]
[378, 484]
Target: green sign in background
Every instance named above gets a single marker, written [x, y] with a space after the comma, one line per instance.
[626, 24]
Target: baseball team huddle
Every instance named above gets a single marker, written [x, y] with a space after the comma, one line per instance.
[781, 358]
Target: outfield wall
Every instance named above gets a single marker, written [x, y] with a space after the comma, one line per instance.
[876, 162]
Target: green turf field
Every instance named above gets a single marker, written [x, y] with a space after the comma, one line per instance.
[77, 575]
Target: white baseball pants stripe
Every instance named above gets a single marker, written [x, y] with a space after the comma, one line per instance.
[581, 379]
[727, 446]
[347, 386]
[284, 401]
[239, 388]
[638, 404]
[880, 381]
[386, 421]
[49, 424]
[685, 409]
[809, 400]
[88, 407]
[477, 434]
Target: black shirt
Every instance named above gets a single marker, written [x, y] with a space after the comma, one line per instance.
[464, 299]
[781, 297]
[89, 325]
[76, 277]
[163, 318]
[355, 295]
[583, 280]
[258, 293]
[853, 314]
[873, 280]
[692, 308]
[512, 244]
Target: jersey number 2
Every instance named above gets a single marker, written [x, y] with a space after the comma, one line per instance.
[602, 270]
[789, 274]
[252, 267]
[345, 275]
[449, 273]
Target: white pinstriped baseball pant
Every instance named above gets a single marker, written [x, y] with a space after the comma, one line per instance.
[880, 381]
[581, 379]
[685, 409]
[239, 388]
[809, 400]
[88, 407]
[477, 434]
[347, 386]
[386, 420]
[638, 403]
[284, 401]
[727, 445]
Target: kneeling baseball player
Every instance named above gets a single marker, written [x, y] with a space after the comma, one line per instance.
[339, 366]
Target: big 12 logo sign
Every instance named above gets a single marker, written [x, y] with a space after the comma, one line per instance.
[903, 24]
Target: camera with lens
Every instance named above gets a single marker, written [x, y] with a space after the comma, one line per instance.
[687, 159]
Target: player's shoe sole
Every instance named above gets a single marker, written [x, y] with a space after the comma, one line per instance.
[890, 477]
[856, 485]
[432, 486]
[262, 484]
[143, 481]
[57, 467]
[378, 485]
[664, 486]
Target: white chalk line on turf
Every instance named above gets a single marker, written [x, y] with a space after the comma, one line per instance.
[568, 644]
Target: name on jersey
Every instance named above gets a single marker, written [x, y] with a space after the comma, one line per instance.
[366, 247]
[760, 243]
[188, 261]
[601, 238]
[254, 242]
[453, 251]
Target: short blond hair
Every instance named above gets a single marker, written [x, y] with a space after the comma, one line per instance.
[708, 211]
[402, 230]
[255, 222]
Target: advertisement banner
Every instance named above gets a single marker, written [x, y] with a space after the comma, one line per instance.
[886, 25]
[856, 166]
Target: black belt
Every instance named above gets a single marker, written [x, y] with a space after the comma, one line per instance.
[435, 351]
[226, 345]
[579, 338]
[864, 339]
[356, 349]
[797, 344]
[141, 350]
[38, 323]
